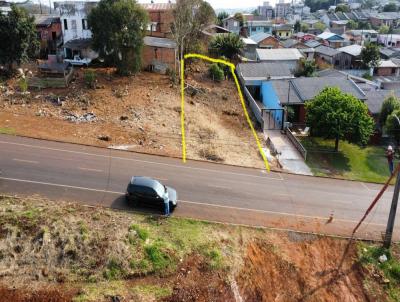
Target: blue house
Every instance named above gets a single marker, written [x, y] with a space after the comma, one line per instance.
[255, 27]
[271, 102]
[332, 39]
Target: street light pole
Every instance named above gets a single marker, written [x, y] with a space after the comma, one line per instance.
[393, 208]
[392, 215]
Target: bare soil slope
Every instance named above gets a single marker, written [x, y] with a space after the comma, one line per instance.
[139, 113]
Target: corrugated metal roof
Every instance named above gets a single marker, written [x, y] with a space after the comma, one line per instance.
[387, 63]
[157, 6]
[354, 50]
[248, 41]
[46, 20]
[264, 70]
[282, 54]
[285, 94]
[312, 43]
[325, 50]
[375, 99]
[308, 88]
[260, 37]
[329, 35]
[159, 42]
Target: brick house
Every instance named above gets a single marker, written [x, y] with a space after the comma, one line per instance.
[48, 28]
[265, 40]
[161, 19]
[387, 68]
[159, 51]
[159, 54]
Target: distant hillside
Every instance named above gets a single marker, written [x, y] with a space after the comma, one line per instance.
[232, 11]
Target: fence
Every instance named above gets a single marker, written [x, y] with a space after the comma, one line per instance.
[296, 143]
[51, 82]
[252, 103]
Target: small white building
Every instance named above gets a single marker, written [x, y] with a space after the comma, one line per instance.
[389, 40]
[76, 33]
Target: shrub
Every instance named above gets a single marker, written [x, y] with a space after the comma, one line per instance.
[23, 84]
[216, 73]
[90, 78]
[114, 270]
[159, 258]
[214, 259]
[142, 233]
[367, 76]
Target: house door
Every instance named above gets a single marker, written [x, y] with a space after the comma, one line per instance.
[273, 119]
[53, 35]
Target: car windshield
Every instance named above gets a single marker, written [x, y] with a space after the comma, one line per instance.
[160, 189]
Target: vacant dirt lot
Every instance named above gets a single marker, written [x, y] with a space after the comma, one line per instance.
[67, 252]
[140, 113]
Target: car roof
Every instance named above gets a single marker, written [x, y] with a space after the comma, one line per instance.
[144, 181]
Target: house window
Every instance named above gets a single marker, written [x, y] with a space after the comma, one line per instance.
[287, 34]
[73, 24]
[393, 70]
[84, 24]
[235, 24]
[65, 24]
[336, 62]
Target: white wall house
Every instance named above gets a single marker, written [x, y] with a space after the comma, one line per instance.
[73, 16]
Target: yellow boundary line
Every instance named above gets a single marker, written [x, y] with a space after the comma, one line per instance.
[232, 67]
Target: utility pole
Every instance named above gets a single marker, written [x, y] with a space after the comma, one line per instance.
[393, 208]
[392, 215]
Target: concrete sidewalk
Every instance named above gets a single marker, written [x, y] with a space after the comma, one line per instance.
[288, 156]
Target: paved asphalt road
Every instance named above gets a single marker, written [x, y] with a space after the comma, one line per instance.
[98, 176]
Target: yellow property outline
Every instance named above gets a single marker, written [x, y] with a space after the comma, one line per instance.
[232, 67]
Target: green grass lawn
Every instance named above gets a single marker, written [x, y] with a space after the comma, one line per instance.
[351, 162]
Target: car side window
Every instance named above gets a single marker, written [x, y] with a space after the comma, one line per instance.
[150, 192]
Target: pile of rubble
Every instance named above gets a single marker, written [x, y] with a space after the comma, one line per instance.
[85, 118]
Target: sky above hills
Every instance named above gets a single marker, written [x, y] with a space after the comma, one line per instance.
[216, 4]
[227, 4]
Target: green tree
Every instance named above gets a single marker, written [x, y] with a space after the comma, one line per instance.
[306, 68]
[297, 26]
[390, 7]
[341, 116]
[392, 125]
[305, 27]
[315, 5]
[389, 105]
[221, 16]
[190, 17]
[18, 37]
[342, 8]
[370, 55]
[118, 28]
[228, 45]
[216, 73]
[364, 25]
[320, 26]
[239, 17]
[352, 24]
[384, 29]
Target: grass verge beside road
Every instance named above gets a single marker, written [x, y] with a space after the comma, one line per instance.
[74, 253]
[351, 162]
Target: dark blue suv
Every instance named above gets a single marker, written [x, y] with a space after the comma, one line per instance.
[149, 192]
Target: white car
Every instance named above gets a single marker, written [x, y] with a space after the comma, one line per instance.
[78, 61]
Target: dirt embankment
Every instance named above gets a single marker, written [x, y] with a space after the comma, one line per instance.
[139, 113]
[66, 252]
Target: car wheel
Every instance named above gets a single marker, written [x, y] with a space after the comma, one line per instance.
[172, 206]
